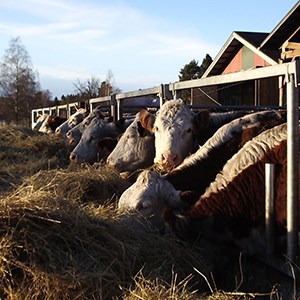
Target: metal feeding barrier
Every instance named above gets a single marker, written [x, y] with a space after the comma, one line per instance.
[291, 73]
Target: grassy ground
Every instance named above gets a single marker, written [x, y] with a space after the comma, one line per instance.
[61, 237]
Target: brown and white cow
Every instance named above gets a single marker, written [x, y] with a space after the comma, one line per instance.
[179, 131]
[233, 207]
[151, 192]
[89, 147]
[47, 123]
[71, 122]
[135, 148]
[75, 133]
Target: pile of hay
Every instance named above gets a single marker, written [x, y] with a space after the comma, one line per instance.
[24, 152]
[55, 248]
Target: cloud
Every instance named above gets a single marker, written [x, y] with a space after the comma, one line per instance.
[70, 40]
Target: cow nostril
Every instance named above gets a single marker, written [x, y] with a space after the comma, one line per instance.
[73, 157]
[169, 159]
[57, 131]
[69, 134]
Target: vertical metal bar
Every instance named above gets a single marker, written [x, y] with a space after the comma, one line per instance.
[280, 90]
[161, 95]
[119, 109]
[269, 206]
[292, 167]
[113, 110]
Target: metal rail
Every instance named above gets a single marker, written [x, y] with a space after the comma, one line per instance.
[289, 71]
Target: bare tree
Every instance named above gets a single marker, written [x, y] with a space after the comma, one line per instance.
[93, 87]
[18, 82]
[110, 80]
[88, 89]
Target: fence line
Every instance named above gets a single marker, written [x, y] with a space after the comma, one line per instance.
[289, 71]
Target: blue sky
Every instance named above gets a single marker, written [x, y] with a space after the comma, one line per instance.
[143, 43]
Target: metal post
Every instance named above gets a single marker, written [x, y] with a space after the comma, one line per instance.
[119, 109]
[269, 205]
[113, 107]
[292, 167]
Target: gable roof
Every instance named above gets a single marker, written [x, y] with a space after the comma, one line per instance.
[286, 27]
[235, 42]
[266, 45]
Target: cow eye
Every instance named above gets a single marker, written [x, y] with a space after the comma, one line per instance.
[143, 205]
[189, 130]
[156, 129]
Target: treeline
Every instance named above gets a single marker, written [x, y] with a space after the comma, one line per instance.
[20, 89]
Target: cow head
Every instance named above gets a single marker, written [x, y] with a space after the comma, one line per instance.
[135, 148]
[149, 196]
[174, 133]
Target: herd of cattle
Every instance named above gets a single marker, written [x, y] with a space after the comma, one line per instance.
[194, 172]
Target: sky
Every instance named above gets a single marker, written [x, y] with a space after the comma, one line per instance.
[142, 43]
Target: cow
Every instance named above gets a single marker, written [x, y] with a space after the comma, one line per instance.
[71, 122]
[196, 172]
[75, 133]
[88, 148]
[232, 209]
[135, 148]
[47, 123]
[179, 131]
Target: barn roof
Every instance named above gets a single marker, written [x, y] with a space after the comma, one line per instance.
[266, 45]
[286, 27]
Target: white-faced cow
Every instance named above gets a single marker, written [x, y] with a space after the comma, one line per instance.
[233, 206]
[72, 121]
[47, 123]
[75, 133]
[179, 131]
[135, 148]
[94, 137]
[151, 192]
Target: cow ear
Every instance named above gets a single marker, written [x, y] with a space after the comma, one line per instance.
[147, 120]
[201, 120]
[120, 122]
[189, 198]
[141, 130]
[107, 144]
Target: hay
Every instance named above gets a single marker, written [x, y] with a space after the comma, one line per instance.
[83, 183]
[24, 152]
[159, 289]
[55, 248]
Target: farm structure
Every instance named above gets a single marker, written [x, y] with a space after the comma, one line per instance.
[251, 70]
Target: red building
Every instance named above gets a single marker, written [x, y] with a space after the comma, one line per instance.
[247, 50]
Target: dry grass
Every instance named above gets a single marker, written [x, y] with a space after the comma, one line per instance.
[24, 152]
[61, 236]
[53, 248]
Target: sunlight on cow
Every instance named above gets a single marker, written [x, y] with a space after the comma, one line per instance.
[135, 149]
[73, 120]
[88, 148]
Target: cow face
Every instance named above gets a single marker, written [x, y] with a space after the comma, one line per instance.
[73, 120]
[174, 134]
[135, 148]
[149, 196]
[88, 148]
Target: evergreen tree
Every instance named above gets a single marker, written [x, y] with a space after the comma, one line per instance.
[205, 64]
[189, 71]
